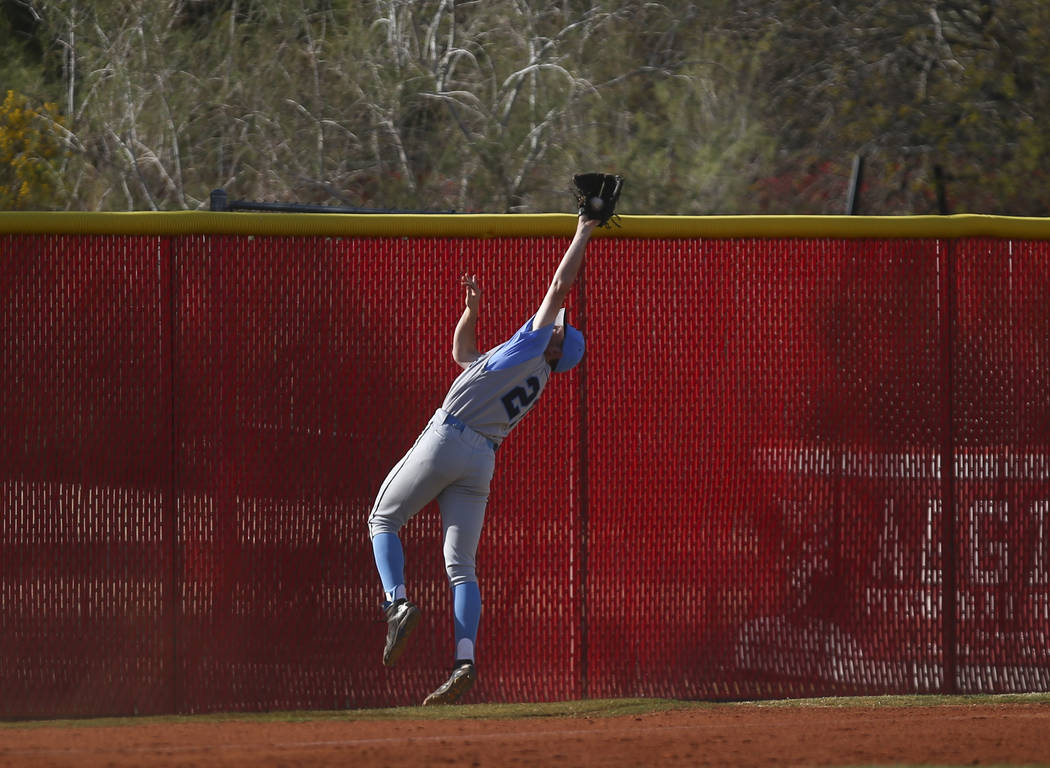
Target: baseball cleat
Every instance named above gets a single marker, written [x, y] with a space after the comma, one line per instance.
[462, 680]
[401, 618]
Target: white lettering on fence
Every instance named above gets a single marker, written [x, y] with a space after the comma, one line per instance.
[895, 500]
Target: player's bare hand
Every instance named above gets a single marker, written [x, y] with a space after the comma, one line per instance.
[585, 224]
[473, 293]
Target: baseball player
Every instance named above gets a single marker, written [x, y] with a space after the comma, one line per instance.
[454, 457]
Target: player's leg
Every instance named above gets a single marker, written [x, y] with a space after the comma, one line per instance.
[402, 616]
[462, 516]
[466, 612]
[413, 482]
[390, 562]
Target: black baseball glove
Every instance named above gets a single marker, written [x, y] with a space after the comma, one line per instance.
[596, 195]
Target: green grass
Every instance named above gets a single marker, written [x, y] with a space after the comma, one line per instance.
[924, 700]
[584, 708]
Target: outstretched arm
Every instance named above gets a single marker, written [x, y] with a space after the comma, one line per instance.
[465, 338]
[565, 274]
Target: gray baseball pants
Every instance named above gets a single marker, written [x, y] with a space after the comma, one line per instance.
[449, 462]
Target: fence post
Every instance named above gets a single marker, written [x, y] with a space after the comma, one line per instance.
[168, 328]
[584, 501]
[856, 177]
[942, 191]
[218, 200]
[948, 535]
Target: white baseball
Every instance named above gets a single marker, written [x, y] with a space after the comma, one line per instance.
[596, 202]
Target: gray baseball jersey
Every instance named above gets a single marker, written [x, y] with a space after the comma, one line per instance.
[493, 394]
[453, 461]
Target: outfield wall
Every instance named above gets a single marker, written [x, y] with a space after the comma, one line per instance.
[804, 456]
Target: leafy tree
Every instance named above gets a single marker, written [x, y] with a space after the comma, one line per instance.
[675, 107]
[432, 104]
[21, 67]
[30, 145]
[941, 89]
[726, 106]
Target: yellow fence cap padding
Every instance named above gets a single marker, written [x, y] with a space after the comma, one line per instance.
[517, 225]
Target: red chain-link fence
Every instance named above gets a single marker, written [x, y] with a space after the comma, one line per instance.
[787, 467]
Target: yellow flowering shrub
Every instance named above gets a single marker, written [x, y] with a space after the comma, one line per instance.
[29, 146]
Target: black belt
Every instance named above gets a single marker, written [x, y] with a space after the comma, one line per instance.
[456, 424]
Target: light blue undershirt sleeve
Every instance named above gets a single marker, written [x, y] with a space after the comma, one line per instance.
[525, 344]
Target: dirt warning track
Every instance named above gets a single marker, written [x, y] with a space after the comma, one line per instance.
[722, 735]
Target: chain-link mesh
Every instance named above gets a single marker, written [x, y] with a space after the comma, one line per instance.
[740, 493]
[304, 370]
[778, 429]
[85, 433]
[1001, 430]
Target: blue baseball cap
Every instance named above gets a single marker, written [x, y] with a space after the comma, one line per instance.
[571, 351]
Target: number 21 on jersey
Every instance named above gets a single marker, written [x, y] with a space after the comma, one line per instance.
[518, 400]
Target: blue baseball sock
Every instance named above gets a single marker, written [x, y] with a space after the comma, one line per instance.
[390, 562]
[466, 609]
